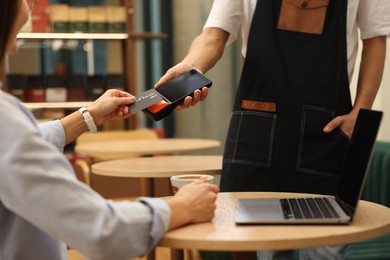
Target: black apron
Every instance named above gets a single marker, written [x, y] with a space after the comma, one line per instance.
[294, 82]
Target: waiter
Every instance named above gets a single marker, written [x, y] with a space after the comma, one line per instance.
[293, 115]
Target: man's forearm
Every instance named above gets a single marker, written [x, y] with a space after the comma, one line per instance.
[371, 72]
[207, 49]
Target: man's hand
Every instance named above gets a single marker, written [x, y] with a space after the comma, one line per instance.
[174, 72]
[345, 122]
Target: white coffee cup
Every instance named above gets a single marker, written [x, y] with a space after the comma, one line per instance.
[179, 181]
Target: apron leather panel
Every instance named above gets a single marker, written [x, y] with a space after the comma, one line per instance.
[258, 105]
[305, 16]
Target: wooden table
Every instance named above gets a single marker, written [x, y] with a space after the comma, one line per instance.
[222, 234]
[123, 149]
[159, 167]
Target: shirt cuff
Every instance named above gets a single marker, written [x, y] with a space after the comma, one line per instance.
[54, 133]
[161, 215]
[375, 33]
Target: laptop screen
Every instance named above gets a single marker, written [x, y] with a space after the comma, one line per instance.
[358, 159]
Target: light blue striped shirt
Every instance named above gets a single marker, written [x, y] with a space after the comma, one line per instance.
[43, 207]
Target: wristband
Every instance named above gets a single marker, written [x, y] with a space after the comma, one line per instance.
[88, 119]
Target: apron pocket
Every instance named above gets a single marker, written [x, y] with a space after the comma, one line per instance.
[306, 16]
[250, 138]
[319, 152]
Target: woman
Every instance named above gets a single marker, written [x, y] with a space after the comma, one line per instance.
[43, 208]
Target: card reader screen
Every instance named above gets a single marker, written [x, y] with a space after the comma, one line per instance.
[157, 107]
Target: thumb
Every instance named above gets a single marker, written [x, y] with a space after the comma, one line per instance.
[332, 125]
[119, 101]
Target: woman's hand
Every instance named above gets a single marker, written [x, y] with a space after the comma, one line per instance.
[112, 104]
[193, 203]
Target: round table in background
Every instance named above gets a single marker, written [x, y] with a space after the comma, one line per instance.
[159, 167]
[123, 149]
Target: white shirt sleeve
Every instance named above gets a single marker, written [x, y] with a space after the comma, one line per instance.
[233, 16]
[226, 15]
[373, 18]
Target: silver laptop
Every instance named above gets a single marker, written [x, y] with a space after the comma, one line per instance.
[338, 209]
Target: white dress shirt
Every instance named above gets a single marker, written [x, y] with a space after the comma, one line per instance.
[43, 207]
[371, 17]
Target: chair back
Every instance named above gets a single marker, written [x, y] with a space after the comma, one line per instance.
[83, 171]
[137, 134]
[109, 136]
[111, 187]
[376, 189]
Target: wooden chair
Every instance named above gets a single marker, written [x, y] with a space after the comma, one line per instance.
[107, 136]
[83, 173]
[108, 187]
[161, 254]
[139, 134]
[75, 255]
[82, 170]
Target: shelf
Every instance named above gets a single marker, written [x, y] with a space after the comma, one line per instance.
[72, 36]
[148, 35]
[90, 36]
[71, 105]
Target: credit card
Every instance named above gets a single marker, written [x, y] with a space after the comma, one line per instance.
[144, 100]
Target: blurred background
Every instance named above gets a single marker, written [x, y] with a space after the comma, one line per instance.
[148, 37]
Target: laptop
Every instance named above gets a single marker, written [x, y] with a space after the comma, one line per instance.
[337, 209]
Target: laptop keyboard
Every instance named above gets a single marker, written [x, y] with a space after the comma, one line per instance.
[307, 208]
